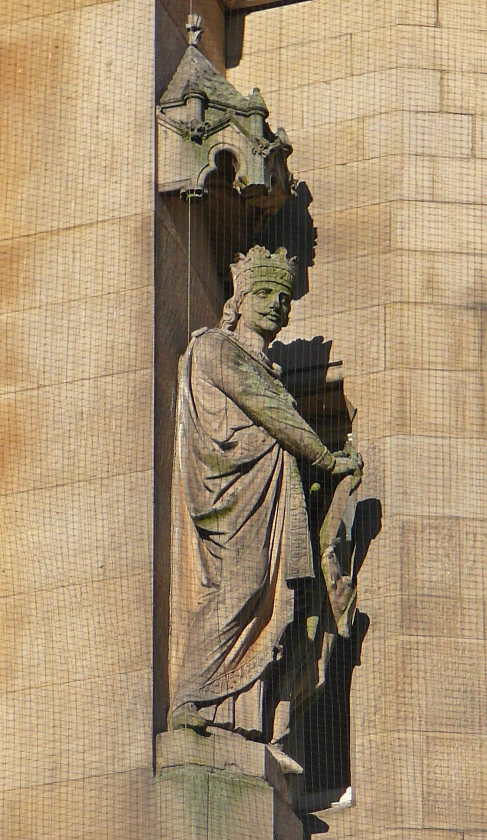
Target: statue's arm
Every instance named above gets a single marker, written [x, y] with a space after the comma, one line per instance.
[266, 403]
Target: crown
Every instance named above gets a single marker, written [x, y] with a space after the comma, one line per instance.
[260, 264]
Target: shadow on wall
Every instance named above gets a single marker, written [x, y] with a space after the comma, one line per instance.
[235, 30]
[320, 738]
[293, 228]
[234, 225]
[324, 728]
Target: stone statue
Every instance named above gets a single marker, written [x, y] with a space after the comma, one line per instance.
[240, 526]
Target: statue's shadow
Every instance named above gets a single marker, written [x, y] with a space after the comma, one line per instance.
[321, 734]
[320, 731]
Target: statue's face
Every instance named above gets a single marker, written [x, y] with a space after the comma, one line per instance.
[265, 309]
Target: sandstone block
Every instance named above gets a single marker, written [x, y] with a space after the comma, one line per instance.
[222, 786]
[353, 233]
[440, 556]
[338, 17]
[432, 337]
[459, 228]
[373, 181]
[90, 170]
[397, 46]
[441, 135]
[360, 96]
[332, 145]
[59, 435]
[25, 9]
[95, 336]
[373, 93]
[464, 93]
[200, 804]
[434, 683]
[460, 181]
[97, 259]
[362, 331]
[295, 64]
[120, 805]
[76, 730]
[451, 485]
[480, 138]
[220, 750]
[385, 402]
[383, 762]
[448, 403]
[417, 13]
[461, 51]
[413, 276]
[86, 531]
[463, 14]
[456, 763]
[77, 632]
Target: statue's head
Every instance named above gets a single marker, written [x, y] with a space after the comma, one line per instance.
[263, 285]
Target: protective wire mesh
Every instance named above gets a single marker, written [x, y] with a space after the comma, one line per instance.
[139, 576]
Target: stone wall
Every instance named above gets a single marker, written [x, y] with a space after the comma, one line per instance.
[384, 103]
[76, 383]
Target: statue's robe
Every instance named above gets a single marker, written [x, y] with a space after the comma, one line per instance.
[239, 526]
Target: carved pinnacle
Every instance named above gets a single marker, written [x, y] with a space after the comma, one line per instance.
[194, 29]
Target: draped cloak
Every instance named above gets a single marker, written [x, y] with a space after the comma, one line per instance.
[239, 521]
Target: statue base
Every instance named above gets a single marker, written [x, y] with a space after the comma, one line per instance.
[218, 786]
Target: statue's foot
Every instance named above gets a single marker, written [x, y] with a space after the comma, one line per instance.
[286, 763]
[188, 717]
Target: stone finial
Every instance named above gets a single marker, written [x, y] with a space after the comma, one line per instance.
[194, 29]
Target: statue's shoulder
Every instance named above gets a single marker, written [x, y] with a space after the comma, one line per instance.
[211, 339]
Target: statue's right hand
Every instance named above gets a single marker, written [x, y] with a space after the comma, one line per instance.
[344, 465]
[349, 465]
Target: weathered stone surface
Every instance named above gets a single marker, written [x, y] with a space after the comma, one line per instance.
[431, 693]
[61, 144]
[201, 804]
[455, 782]
[439, 227]
[388, 396]
[383, 763]
[69, 633]
[424, 47]
[332, 56]
[220, 750]
[76, 730]
[432, 337]
[441, 135]
[364, 327]
[480, 138]
[464, 93]
[96, 336]
[373, 181]
[81, 538]
[452, 484]
[460, 181]
[395, 46]
[356, 232]
[98, 259]
[460, 50]
[463, 14]
[100, 806]
[332, 145]
[320, 103]
[221, 785]
[59, 435]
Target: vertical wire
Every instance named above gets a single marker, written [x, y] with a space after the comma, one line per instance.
[188, 293]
